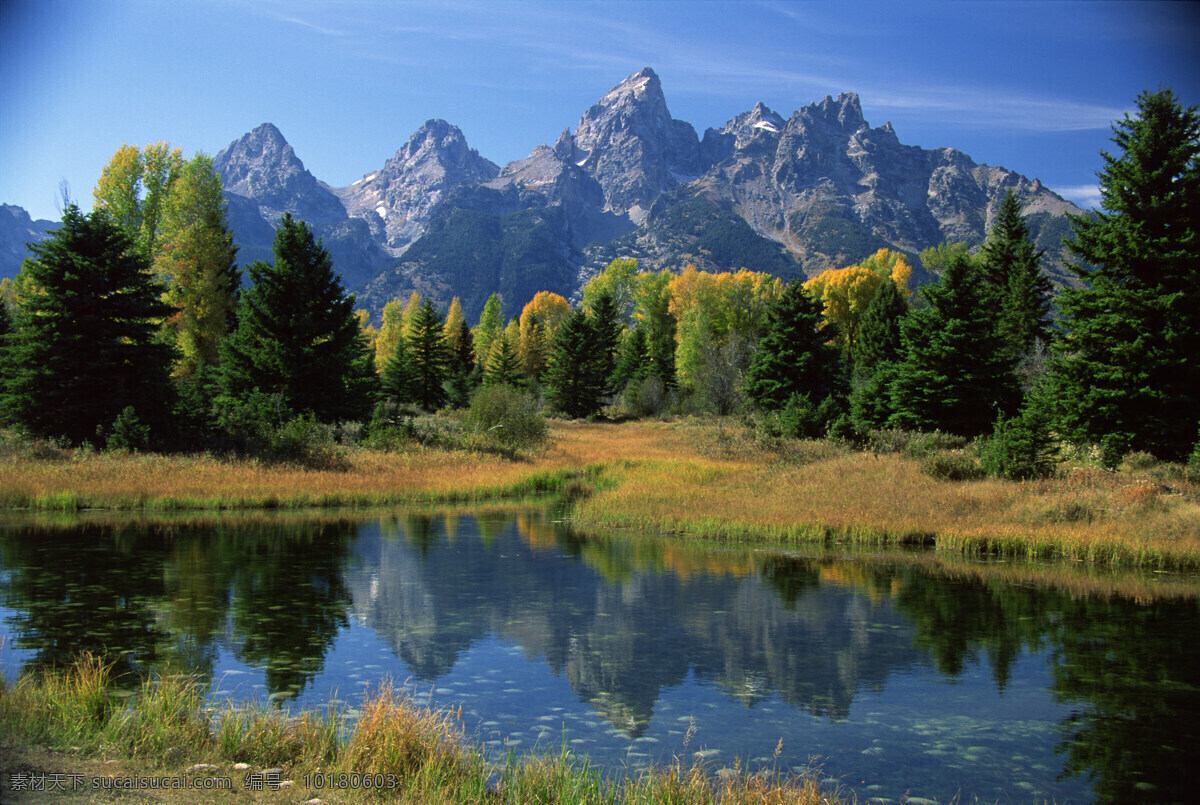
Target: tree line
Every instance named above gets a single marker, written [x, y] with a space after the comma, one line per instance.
[131, 326]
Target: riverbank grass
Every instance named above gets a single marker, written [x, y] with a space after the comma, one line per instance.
[693, 478]
[421, 755]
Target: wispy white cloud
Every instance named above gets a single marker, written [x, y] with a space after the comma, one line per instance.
[1086, 196]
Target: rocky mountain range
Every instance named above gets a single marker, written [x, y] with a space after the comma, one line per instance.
[793, 196]
[16, 230]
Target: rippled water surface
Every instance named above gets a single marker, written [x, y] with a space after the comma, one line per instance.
[893, 675]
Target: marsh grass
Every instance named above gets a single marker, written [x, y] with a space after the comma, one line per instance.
[710, 479]
[166, 725]
[719, 484]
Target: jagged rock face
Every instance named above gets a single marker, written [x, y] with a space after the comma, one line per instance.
[17, 230]
[263, 178]
[830, 188]
[397, 200]
[630, 144]
[820, 189]
[261, 166]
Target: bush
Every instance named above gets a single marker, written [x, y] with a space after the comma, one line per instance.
[912, 443]
[1193, 463]
[304, 440]
[800, 419]
[646, 397]
[1019, 448]
[128, 432]
[507, 416]
[951, 465]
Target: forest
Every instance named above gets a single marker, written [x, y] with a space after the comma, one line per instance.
[132, 328]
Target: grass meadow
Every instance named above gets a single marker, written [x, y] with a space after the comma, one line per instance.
[691, 479]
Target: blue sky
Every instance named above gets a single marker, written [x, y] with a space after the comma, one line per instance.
[1032, 86]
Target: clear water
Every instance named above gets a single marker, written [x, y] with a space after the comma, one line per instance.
[893, 678]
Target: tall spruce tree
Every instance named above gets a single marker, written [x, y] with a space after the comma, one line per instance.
[956, 374]
[1019, 291]
[504, 366]
[606, 322]
[575, 379]
[86, 348]
[633, 362]
[298, 339]
[796, 356]
[878, 349]
[463, 376]
[429, 355]
[1126, 374]
[397, 378]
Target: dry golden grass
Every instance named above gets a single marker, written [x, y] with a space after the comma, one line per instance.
[692, 478]
[715, 487]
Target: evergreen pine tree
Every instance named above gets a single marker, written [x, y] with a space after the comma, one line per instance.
[955, 375]
[1126, 372]
[398, 377]
[503, 367]
[633, 363]
[575, 379]
[606, 321]
[795, 356]
[1018, 290]
[463, 375]
[6, 332]
[429, 355]
[875, 355]
[298, 340]
[86, 349]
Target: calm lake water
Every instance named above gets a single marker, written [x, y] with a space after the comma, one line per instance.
[893, 676]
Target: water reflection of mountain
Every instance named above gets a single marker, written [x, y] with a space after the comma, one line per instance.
[624, 632]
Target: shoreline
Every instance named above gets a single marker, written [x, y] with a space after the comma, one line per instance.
[690, 480]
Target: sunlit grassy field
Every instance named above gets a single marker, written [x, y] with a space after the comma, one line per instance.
[700, 479]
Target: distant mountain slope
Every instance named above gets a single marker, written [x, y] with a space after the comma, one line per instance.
[792, 196]
[16, 230]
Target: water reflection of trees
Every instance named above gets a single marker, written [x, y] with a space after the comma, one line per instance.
[621, 620]
[158, 597]
[1129, 670]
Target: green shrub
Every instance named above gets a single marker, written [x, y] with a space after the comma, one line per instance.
[800, 419]
[645, 397]
[1019, 448]
[507, 416]
[128, 432]
[951, 465]
[912, 443]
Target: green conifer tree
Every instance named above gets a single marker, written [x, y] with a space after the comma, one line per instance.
[298, 340]
[1018, 291]
[574, 379]
[796, 355]
[875, 355]
[1126, 372]
[398, 377]
[503, 367]
[429, 355]
[463, 375]
[633, 363]
[86, 349]
[955, 375]
[606, 322]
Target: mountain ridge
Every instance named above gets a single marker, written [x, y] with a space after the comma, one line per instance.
[791, 195]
